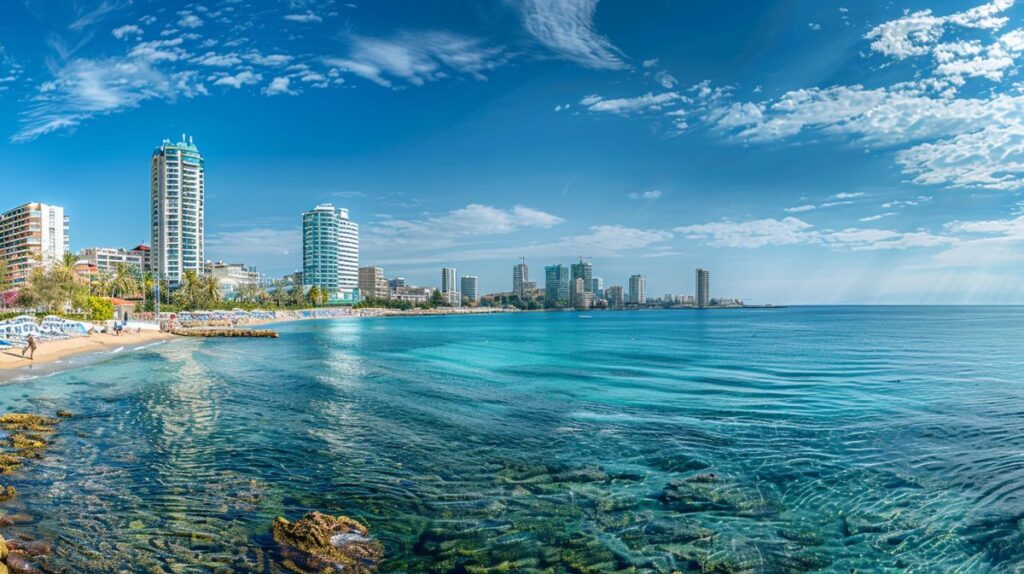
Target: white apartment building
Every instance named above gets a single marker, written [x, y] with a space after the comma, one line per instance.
[106, 259]
[177, 180]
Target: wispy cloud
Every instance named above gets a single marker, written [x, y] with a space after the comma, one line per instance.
[474, 219]
[86, 88]
[792, 231]
[97, 14]
[418, 57]
[648, 195]
[567, 28]
[305, 18]
[646, 102]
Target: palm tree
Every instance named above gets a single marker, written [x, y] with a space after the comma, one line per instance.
[147, 287]
[209, 291]
[280, 295]
[189, 292]
[125, 282]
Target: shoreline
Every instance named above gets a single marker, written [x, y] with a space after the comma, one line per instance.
[49, 352]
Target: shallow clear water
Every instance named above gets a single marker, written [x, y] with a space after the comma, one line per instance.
[867, 438]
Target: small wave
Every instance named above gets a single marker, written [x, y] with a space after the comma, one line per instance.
[148, 345]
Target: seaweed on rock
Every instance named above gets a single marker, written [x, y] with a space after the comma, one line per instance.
[323, 541]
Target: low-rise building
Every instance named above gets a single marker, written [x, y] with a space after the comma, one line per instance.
[372, 284]
[232, 277]
[412, 294]
[106, 259]
[145, 254]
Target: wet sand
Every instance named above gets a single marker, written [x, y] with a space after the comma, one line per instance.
[49, 351]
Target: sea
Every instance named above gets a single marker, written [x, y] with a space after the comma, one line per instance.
[800, 439]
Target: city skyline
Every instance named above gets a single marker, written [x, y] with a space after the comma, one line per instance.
[817, 171]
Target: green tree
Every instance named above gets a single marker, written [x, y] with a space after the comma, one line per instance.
[436, 299]
[99, 308]
[313, 296]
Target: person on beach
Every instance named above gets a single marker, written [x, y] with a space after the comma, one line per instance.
[30, 348]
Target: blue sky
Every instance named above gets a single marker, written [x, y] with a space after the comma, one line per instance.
[804, 152]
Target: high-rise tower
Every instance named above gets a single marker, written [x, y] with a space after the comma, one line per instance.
[703, 288]
[330, 252]
[177, 182]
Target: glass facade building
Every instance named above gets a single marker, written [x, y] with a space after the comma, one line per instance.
[556, 285]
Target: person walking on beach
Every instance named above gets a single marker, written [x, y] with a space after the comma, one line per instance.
[30, 348]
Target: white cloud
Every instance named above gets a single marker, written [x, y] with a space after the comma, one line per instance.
[916, 33]
[418, 57]
[749, 234]
[792, 231]
[126, 31]
[648, 101]
[159, 51]
[1014, 227]
[650, 63]
[814, 26]
[279, 85]
[921, 33]
[666, 80]
[878, 216]
[801, 208]
[992, 158]
[271, 60]
[608, 240]
[976, 142]
[305, 18]
[849, 195]
[218, 60]
[921, 199]
[474, 219]
[243, 78]
[567, 27]
[650, 195]
[189, 20]
[1003, 243]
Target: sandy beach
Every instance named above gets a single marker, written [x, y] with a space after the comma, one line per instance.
[10, 358]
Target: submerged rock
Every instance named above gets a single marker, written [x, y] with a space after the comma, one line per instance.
[9, 463]
[26, 422]
[7, 493]
[65, 414]
[328, 540]
[25, 443]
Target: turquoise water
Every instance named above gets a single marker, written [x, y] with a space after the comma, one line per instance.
[838, 438]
